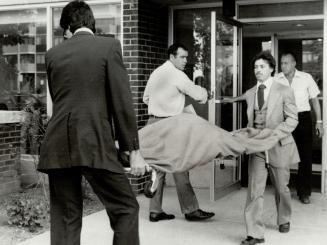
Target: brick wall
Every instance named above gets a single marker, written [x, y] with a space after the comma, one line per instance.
[145, 28]
[9, 157]
[145, 40]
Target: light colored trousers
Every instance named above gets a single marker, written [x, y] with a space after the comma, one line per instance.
[258, 173]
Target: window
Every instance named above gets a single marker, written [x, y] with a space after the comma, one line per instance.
[21, 32]
[107, 21]
[23, 44]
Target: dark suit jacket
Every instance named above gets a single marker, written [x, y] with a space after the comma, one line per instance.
[89, 88]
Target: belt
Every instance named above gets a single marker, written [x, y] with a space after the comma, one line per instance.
[303, 112]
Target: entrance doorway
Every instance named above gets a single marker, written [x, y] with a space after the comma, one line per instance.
[305, 40]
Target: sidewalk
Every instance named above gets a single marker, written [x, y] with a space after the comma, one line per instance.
[308, 225]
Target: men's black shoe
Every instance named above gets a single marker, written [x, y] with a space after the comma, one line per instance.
[284, 228]
[251, 241]
[198, 215]
[305, 199]
[155, 217]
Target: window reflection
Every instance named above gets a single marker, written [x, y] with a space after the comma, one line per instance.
[312, 59]
[193, 29]
[22, 42]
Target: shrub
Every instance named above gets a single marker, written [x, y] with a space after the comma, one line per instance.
[27, 212]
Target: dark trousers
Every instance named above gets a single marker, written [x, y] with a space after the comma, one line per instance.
[186, 196]
[303, 139]
[66, 204]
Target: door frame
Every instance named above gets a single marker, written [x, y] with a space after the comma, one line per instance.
[274, 40]
[216, 193]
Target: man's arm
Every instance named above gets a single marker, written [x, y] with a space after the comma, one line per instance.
[317, 110]
[121, 105]
[239, 98]
[290, 122]
[186, 86]
[146, 96]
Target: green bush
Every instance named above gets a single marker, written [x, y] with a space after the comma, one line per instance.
[27, 212]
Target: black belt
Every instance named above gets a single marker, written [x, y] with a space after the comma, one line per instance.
[303, 112]
[303, 115]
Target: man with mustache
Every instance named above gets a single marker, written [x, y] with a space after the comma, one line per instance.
[165, 96]
[269, 105]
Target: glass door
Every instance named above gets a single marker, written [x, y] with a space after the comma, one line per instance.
[212, 46]
[224, 58]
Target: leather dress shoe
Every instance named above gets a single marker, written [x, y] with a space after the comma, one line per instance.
[305, 199]
[251, 241]
[198, 215]
[284, 228]
[155, 217]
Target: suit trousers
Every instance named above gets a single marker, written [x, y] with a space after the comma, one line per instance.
[66, 204]
[258, 173]
[303, 139]
[186, 196]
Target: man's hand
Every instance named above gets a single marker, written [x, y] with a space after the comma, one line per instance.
[319, 129]
[138, 164]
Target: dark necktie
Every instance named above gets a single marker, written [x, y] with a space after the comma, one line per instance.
[261, 99]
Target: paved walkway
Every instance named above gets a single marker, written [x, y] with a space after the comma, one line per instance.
[308, 226]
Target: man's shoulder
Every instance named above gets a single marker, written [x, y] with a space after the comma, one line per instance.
[253, 88]
[166, 69]
[105, 39]
[282, 88]
[303, 75]
[279, 76]
[56, 49]
[105, 42]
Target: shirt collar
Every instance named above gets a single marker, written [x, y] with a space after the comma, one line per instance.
[281, 74]
[267, 83]
[297, 73]
[83, 29]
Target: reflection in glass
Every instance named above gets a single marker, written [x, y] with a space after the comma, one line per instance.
[193, 29]
[224, 73]
[22, 34]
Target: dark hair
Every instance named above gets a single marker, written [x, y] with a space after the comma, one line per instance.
[290, 54]
[77, 14]
[174, 47]
[266, 55]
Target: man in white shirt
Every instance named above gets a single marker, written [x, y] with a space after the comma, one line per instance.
[305, 91]
[165, 96]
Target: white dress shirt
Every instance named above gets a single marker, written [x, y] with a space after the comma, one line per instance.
[304, 87]
[166, 88]
[266, 91]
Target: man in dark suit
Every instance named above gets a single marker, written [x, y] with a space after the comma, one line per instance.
[89, 88]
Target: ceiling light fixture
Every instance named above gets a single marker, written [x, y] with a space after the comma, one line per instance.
[299, 25]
